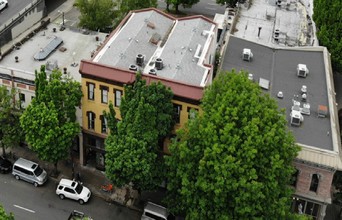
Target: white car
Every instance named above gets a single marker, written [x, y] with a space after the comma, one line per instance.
[3, 4]
[73, 190]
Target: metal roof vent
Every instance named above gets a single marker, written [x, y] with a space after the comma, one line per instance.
[302, 70]
[140, 60]
[133, 67]
[159, 63]
[250, 76]
[152, 72]
[306, 109]
[247, 54]
[280, 95]
[264, 83]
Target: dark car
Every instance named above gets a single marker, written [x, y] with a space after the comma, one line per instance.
[5, 165]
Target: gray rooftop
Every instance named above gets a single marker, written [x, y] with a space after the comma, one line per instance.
[278, 65]
[181, 44]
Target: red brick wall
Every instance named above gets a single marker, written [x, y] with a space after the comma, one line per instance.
[304, 180]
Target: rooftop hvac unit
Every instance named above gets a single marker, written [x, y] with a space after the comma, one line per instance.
[302, 70]
[159, 63]
[306, 109]
[140, 60]
[296, 117]
[247, 55]
[250, 76]
[152, 72]
[133, 67]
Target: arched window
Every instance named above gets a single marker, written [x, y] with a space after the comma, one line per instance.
[314, 182]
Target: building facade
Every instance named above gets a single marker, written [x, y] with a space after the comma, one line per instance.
[179, 53]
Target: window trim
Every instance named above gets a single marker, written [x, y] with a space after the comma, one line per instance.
[177, 112]
[89, 91]
[314, 182]
[116, 98]
[104, 124]
[104, 88]
[91, 121]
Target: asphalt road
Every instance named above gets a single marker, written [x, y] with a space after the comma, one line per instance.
[14, 7]
[30, 203]
[205, 7]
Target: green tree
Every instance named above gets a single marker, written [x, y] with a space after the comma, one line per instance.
[11, 133]
[176, 3]
[132, 149]
[4, 215]
[128, 5]
[235, 160]
[328, 16]
[49, 121]
[96, 14]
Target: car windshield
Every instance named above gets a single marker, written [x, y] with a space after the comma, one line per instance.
[38, 171]
[79, 188]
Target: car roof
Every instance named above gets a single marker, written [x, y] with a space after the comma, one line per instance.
[67, 182]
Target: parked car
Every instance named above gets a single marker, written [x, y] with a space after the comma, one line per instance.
[73, 190]
[5, 165]
[154, 212]
[29, 171]
[77, 215]
[3, 4]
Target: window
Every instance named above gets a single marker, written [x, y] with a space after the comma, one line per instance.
[177, 112]
[192, 112]
[91, 88]
[294, 178]
[118, 94]
[104, 94]
[66, 189]
[91, 120]
[22, 97]
[314, 182]
[103, 124]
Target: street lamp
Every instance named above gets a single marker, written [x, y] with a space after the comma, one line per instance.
[62, 17]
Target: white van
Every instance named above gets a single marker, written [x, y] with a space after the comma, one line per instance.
[154, 212]
[29, 171]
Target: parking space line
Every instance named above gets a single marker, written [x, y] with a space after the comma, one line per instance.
[29, 210]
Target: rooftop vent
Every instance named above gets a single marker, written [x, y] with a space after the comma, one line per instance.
[152, 72]
[264, 83]
[140, 60]
[247, 54]
[296, 117]
[133, 67]
[306, 109]
[280, 95]
[250, 76]
[322, 111]
[151, 25]
[302, 70]
[155, 38]
[159, 63]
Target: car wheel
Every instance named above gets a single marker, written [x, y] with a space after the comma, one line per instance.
[81, 201]
[17, 177]
[61, 196]
[35, 184]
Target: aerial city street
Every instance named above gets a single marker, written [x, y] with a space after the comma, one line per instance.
[170, 109]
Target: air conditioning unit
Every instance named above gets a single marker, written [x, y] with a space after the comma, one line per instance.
[302, 70]
[296, 118]
[152, 72]
[159, 63]
[133, 67]
[247, 54]
[140, 60]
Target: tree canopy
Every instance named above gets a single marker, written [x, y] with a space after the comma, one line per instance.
[176, 3]
[4, 215]
[11, 133]
[234, 161]
[49, 121]
[132, 148]
[128, 5]
[96, 14]
[327, 16]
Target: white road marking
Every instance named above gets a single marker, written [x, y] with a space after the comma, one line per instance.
[213, 9]
[29, 210]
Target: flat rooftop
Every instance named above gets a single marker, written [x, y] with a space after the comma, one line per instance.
[181, 44]
[278, 66]
[76, 45]
[292, 19]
